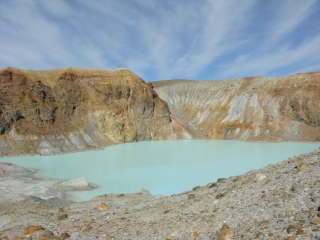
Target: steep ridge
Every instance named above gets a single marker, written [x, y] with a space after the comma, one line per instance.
[70, 109]
[255, 108]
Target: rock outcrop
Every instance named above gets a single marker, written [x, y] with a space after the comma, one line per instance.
[70, 109]
[255, 108]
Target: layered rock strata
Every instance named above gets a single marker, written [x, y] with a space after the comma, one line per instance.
[255, 108]
[70, 109]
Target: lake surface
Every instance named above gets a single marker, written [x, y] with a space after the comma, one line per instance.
[163, 167]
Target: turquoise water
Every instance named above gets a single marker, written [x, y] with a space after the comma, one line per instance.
[163, 167]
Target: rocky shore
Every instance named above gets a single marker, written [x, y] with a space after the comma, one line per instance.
[16, 184]
[280, 201]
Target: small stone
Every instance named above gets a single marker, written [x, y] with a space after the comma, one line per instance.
[104, 207]
[138, 232]
[264, 224]
[259, 177]
[316, 200]
[263, 195]
[211, 185]
[291, 230]
[195, 188]
[219, 195]
[294, 188]
[292, 238]
[169, 238]
[221, 179]
[48, 236]
[87, 229]
[299, 232]
[144, 192]
[121, 195]
[226, 232]
[194, 234]
[62, 217]
[301, 165]
[31, 229]
[191, 196]
[64, 236]
[295, 226]
[286, 196]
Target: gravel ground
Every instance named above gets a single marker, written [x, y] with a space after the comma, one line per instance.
[280, 201]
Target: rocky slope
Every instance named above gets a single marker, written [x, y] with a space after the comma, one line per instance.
[69, 109]
[280, 201]
[256, 108]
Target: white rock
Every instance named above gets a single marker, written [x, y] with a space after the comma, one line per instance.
[143, 191]
[74, 183]
[260, 177]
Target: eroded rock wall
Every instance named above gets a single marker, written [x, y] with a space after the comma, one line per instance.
[69, 109]
[257, 108]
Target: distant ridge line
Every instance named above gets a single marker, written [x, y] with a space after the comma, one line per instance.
[67, 68]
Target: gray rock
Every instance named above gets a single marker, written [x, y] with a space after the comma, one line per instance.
[144, 192]
[54, 202]
[211, 185]
[221, 179]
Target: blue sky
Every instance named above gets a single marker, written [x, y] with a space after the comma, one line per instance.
[163, 39]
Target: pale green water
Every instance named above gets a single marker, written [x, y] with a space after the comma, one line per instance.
[163, 167]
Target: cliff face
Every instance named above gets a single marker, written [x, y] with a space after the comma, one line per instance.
[69, 109]
[63, 110]
[257, 108]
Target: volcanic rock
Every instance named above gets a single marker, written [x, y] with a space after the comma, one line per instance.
[73, 109]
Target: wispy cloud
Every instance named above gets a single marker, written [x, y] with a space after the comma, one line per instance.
[163, 39]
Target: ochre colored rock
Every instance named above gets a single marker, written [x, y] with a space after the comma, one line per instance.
[104, 207]
[211, 185]
[301, 165]
[292, 238]
[68, 109]
[219, 195]
[62, 217]
[64, 236]
[194, 234]
[48, 236]
[31, 229]
[225, 233]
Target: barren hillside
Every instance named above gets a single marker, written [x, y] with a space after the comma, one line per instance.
[256, 108]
